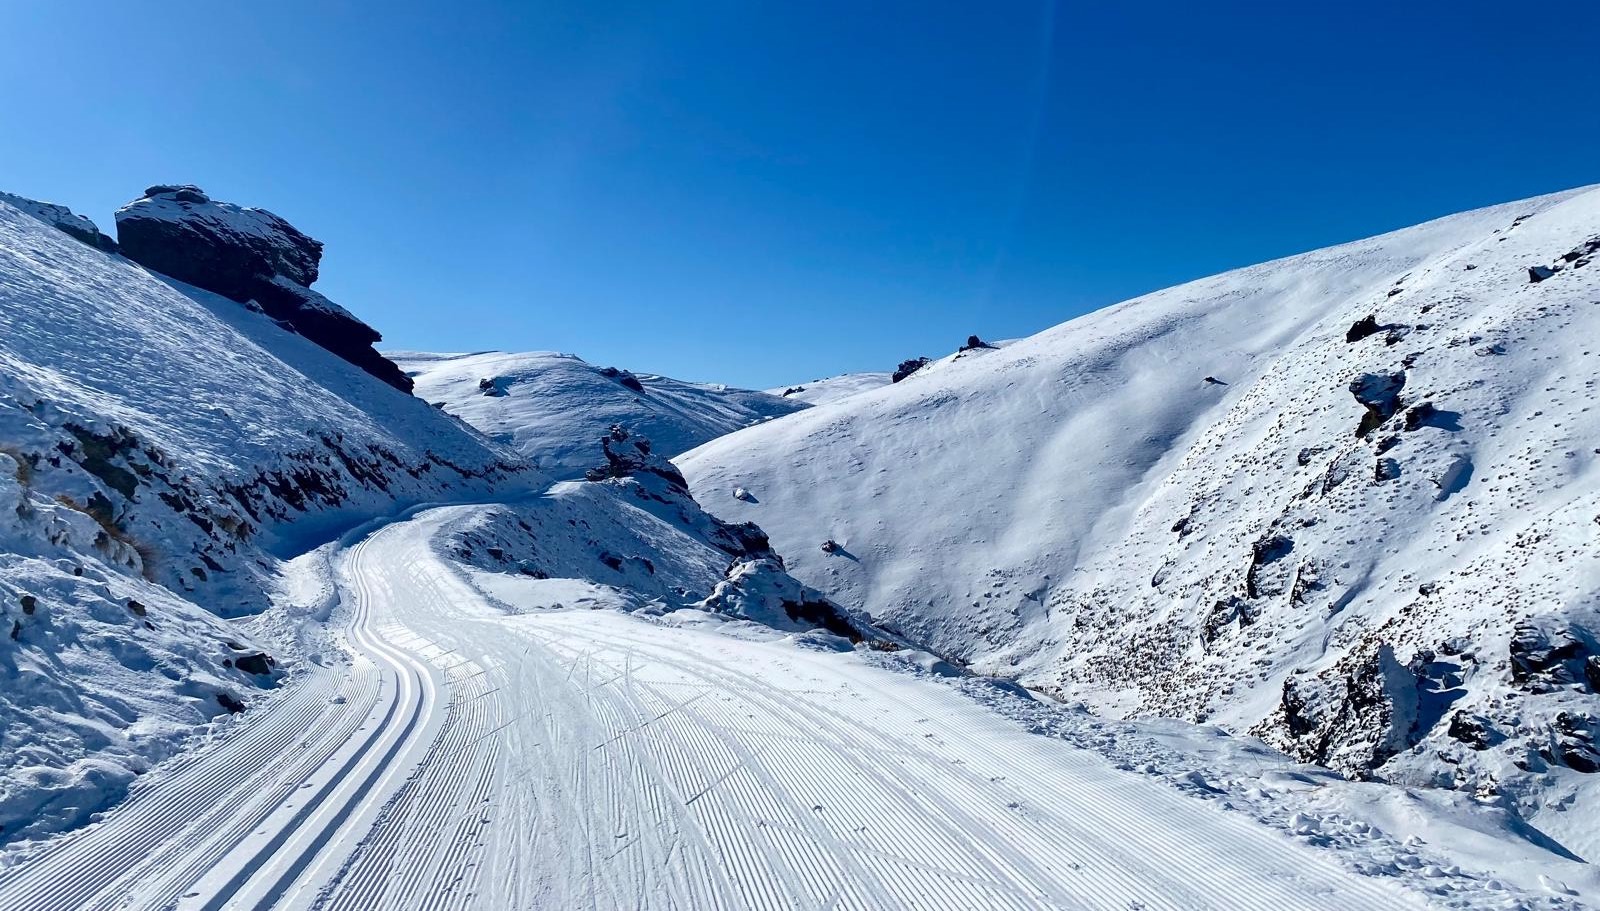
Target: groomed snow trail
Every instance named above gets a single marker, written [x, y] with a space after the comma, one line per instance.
[471, 758]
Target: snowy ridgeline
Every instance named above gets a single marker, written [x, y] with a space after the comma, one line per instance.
[553, 407]
[159, 446]
[833, 388]
[1374, 542]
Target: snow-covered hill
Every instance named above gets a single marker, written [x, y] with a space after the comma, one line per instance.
[555, 407]
[159, 447]
[1374, 542]
[163, 449]
[833, 388]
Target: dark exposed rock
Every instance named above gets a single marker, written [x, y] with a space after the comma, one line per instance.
[973, 343]
[29, 604]
[227, 701]
[1539, 654]
[1537, 274]
[792, 390]
[1367, 325]
[136, 608]
[1385, 470]
[491, 388]
[824, 613]
[1418, 415]
[1224, 614]
[1473, 730]
[908, 367]
[258, 663]
[627, 456]
[625, 378]
[1353, 718]
[247, 255]
[830, 546]
[1578, 755]
[1213, 381]
[1263, 553]
[1379, 393]
[1574, 746]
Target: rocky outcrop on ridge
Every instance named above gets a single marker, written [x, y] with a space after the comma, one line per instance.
[251, 256]
[62, 219]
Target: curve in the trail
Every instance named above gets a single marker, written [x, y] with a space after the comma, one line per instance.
[234, 815]
[471, 759]
[623, 764]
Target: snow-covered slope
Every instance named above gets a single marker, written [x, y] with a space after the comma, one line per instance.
[1166, 507]
[833, 388]
[555, 407]
[159, 447]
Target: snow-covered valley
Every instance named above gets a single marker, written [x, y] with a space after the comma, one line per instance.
[285, 635]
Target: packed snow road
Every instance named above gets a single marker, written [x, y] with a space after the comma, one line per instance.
[475, 758]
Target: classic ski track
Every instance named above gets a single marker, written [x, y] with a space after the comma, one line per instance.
[206, 809]
[587, 760]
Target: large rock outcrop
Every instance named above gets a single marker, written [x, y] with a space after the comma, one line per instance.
[247, 255]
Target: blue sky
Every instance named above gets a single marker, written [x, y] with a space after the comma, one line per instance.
[760, 193]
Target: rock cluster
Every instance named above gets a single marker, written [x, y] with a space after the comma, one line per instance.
[247, 255]
[908, 367]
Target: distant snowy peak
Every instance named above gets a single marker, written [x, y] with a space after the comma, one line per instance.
[250, 256]
[554, 407]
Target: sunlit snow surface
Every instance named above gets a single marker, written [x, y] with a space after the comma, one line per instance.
[554, 407]
[1163, 507]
